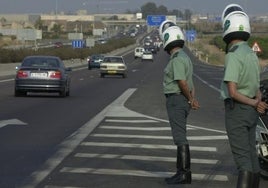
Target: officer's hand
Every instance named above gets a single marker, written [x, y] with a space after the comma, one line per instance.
[194, 104]
[261, 107]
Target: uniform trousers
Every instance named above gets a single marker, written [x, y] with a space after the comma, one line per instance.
[178, 110]
[241, 121]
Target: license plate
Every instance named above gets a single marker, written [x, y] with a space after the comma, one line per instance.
[112, 72]
[39, 75]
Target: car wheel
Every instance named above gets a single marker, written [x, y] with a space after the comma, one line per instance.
[124, 75]
[63, 93]
[19, 93]
[102, 75]
[68, 93]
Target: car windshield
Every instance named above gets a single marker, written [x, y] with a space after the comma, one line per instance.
[113, 60]
[97, 57]
[147, 52]
[41, 62]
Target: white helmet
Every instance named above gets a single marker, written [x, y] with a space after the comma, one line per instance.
[164, 25]
[236, 26]
[173, 37]
[231, 8]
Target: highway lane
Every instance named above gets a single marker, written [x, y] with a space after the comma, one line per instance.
[128, 148]
[51, 120]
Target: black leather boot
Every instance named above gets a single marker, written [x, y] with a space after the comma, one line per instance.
[256, 180]
[183, 175]
[245, 179]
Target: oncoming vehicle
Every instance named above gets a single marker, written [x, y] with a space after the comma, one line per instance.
[138, 52]
[42, 74]
[113, 65]
[94, 61]
[147, 55]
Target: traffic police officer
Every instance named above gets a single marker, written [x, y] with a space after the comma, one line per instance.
[180, 98]
[240, 91]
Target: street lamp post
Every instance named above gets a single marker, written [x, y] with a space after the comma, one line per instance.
[56, 9]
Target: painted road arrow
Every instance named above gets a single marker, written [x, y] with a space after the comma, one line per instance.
[4, 123]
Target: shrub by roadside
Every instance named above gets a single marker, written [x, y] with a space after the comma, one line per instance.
[65, 52]
[212, 49]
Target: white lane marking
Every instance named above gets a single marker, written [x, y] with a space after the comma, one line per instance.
[141, 158]
[70, 143]
[209, 85]
[56, 186]
[137, 128]
[130, 121]
[220, 137]
[7, 80]
[139, 173]
[4, 123]
[119, 110]
[146, 146]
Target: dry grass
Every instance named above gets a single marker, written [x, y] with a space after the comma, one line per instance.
[212, 54]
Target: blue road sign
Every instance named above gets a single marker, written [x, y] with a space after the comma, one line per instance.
[155, 20]
[78, 43]
[190, 35]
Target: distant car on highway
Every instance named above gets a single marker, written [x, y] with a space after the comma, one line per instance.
[42, 74]
[138, 52]
[94, 61]
[147, 56]
[113, 65]
[151, 48]
[58, 44]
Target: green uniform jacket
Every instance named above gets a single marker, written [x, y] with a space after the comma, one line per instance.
[179, 68]
[241, 67]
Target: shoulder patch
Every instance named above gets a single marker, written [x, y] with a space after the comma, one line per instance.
[233, 49]
[175, 55]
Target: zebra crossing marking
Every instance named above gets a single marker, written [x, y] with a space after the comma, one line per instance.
[146, 146]
[141, 158]
[219, 137]
[140, 173]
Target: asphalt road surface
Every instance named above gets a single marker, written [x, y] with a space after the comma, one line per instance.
[112, 132]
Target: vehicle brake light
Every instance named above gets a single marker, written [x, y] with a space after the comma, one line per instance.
[22, 74]
[55, 74]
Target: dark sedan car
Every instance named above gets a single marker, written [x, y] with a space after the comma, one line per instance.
[94, 61]
[42, 74]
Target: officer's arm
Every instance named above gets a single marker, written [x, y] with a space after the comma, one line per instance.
[234, 94]
[185, 89]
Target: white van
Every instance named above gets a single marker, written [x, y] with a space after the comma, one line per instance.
[138, 52]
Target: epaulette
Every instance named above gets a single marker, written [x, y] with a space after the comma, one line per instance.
[233, 49]
[175, 55]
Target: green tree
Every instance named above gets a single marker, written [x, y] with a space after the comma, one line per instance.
[162, 10]
[39, 24]
[57, 29]
[149, 9]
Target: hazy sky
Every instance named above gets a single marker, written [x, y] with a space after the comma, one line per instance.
[119, 6]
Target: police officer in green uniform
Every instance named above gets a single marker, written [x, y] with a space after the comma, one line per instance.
[240, 92]
[179, 91]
